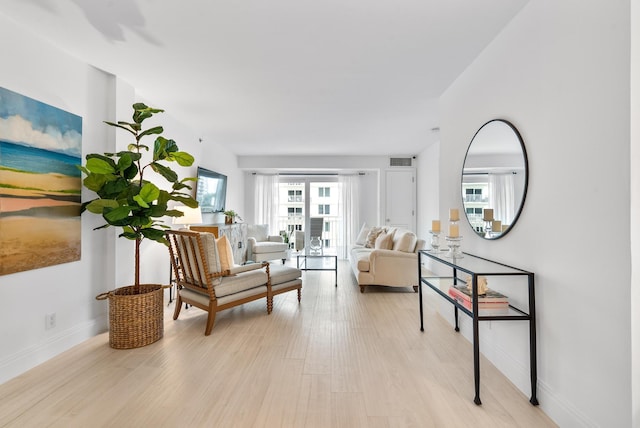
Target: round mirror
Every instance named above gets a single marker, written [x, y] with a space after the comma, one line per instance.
[494, 179]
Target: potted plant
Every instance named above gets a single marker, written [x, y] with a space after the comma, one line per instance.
[230, 217]
[127, 199]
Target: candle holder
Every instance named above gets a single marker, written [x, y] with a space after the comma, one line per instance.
[454, 247]
[435, 241]
[488, 229]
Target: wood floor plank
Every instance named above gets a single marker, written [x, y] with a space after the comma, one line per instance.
[339, 358]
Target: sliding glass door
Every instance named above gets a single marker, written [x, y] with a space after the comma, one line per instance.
[309, 209]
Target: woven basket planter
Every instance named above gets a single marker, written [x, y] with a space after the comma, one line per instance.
[135, 319]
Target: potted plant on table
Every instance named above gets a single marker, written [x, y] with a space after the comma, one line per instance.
[128, 200]
[230, 217]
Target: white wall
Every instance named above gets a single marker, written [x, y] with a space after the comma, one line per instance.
[33, 69]
[560, 73]
[428, 173]
[635, 211]
[36, 69]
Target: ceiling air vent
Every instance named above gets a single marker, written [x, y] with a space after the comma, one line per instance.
[399, 161]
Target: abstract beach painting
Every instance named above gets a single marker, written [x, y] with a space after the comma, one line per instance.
[40, 184]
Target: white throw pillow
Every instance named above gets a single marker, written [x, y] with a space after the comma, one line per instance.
[372, 236]
[362, 236]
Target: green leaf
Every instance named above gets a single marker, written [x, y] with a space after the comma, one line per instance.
[97, 206]
[121, 127]
[125, 161]
[154, 130]
[186, 200]
[183, 158]
[134, 155]
[149, 192]
[154, 234]
[113, 189]
[130, 235]
[130, 172]
[166, 172]
[116, 214]
[99, 166]
[140, 201]
[95, 182]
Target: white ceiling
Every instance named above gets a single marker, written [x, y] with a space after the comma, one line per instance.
[297, 77]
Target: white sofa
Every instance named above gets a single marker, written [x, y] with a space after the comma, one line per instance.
[262, 247]
[390, 260]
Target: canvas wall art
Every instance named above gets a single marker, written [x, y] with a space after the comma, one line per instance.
[40, 184]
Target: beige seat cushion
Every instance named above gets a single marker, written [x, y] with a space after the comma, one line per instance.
[281, 274]
[241, 282]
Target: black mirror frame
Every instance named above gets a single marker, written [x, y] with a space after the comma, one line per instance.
[526, 177]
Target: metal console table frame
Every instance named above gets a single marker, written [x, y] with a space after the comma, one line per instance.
[478, 266]
[306, 263]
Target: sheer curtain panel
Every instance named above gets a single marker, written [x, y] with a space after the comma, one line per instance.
[267, 203]
[348, 210]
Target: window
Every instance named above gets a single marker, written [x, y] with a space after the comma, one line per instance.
[324, 192]
[327, 227]
[324, 209]
[294, 195]
[294, 211]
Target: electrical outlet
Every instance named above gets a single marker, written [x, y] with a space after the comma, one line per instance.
[50, 321]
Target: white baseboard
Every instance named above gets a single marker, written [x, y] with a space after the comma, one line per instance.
[26, 359]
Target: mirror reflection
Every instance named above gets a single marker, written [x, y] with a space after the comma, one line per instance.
[494, 179]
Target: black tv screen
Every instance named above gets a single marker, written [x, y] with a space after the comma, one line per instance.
[211, 191]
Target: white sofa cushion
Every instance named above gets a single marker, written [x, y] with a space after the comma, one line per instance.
[269, 247]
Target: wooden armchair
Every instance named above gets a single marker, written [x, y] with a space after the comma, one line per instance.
[202, 282]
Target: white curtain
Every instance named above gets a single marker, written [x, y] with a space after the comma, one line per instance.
[501, 197]
[267, 203]
[349, 212]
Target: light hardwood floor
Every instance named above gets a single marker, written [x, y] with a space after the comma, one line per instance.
[339, 359]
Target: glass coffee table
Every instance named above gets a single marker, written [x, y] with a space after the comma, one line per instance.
[318, 262]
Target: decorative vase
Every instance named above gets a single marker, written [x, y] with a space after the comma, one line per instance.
[228, 219]
[135, 319]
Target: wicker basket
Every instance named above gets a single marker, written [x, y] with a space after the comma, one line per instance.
[135, 320]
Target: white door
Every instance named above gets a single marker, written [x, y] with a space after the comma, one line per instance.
[400, 199]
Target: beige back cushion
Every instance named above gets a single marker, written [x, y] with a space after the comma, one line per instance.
[405, 242]
[384, 241]
[225, 253]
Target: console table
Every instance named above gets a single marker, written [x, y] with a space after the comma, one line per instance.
[475, 267]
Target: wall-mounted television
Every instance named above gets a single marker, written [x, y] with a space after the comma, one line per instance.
[211, 190]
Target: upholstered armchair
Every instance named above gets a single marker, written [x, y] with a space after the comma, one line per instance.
[207, 278]
[264, 247]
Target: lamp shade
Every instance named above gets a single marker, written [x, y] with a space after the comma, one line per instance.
[191, 215]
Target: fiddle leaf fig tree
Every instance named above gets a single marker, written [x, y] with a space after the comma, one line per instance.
[125, 198]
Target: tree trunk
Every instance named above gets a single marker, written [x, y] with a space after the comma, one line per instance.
[137, 278]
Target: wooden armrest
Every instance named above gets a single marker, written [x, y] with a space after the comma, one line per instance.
[245, 268]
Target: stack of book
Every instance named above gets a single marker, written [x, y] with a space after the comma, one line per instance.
[491, 300]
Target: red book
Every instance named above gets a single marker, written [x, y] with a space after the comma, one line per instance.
[481, 305]
[491, 296]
